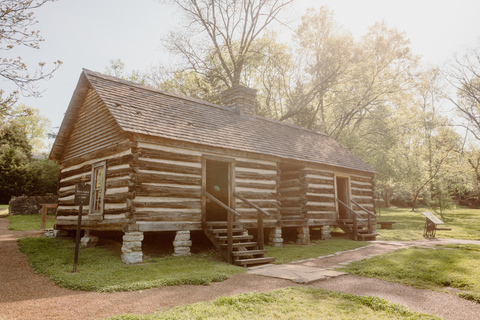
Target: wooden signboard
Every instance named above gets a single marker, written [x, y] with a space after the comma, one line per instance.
[432, 218]
[82, 194]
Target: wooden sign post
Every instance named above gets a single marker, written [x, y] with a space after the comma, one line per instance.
[82, 196]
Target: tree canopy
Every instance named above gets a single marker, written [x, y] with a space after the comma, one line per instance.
[372, 93]
[16, 29]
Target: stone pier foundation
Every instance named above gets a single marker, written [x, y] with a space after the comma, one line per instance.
[303, 236]
[275, 237]
[325, 233]
[132, 247]
[182, 244]
[88, 240]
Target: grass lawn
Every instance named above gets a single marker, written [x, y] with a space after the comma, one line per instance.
[28, 222]
[293, 252]
[454, 266]
[3, 210]
[465, 224]
[289, 303]
[102, 270]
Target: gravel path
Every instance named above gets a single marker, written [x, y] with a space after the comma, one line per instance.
[26, 295]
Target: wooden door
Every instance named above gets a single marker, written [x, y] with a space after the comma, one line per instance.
[217, 184]
[343, 194]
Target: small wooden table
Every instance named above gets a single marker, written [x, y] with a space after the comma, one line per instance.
[431, 223]
[386, 224]
[45, 207]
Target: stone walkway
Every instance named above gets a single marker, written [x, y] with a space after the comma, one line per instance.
[311, 270]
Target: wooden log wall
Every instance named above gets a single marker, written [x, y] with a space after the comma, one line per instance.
[362, 193]
[117, 201]
[292, 192]
[320, 197]
[257, 181]
[167, 188]
[93, 130]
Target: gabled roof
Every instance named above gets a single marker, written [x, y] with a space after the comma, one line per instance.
[140, 109]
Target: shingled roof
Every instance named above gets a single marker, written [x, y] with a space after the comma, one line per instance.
[145, 110]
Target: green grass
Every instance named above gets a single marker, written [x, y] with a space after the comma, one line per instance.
[288, 303]
[28, 222]
[454, 266]
[102, 270]
[293, 252]
[465, 224]
[3, 210]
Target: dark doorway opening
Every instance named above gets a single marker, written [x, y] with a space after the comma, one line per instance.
[342, 195]
[217, 186]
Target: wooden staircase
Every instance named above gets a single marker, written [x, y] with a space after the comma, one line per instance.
[358, 227]
[245, 252]
[362, 229]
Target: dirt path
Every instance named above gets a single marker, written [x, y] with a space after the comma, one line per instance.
[26, 295]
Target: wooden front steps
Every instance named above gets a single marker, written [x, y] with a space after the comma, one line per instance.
[245, 252]
[362, 229]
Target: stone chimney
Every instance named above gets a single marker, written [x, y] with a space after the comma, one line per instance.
[241, 99]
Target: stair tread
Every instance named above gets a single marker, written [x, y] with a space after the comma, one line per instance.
[248, 252]
[225, 230]
[350, 220]
[241, 244]
[240, 237]
[254, 261]
[367, 235]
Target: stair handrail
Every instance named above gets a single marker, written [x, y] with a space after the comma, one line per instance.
[260, 214]
[369, 215]
[355, 222]
[230, 214]
[223, 205]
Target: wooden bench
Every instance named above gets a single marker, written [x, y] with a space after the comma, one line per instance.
[431, 225]
[386, 224]
[45, 207]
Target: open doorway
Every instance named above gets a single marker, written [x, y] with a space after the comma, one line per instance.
[217, 185]
[343, 194]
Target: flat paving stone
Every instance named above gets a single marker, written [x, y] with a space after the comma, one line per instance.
[296, 273]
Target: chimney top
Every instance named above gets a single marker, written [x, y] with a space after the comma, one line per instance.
[241, 99]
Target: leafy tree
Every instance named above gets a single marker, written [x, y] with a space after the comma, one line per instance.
[16, 21]
[19, 174]
[463, 74]
[35, 126]
[218, 36]
[15, 156]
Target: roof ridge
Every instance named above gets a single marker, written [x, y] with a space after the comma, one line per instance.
[149, 88]
[176, 95]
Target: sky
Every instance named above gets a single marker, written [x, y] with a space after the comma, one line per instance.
[90, 33]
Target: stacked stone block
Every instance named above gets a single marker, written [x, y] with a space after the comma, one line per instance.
[182, 244]
[132, 247]
[303, 236]
[275, 237]
[326, 233]
[88, 240]
[24, 205]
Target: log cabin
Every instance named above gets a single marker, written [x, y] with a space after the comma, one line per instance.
[160, 162]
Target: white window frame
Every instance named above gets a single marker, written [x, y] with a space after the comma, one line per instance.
[94, 191]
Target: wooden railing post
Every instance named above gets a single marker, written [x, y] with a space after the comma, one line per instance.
[43, 221]
[260, 230]
[229, 236]
[370, 229]
[355, 226]
[260, 214]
